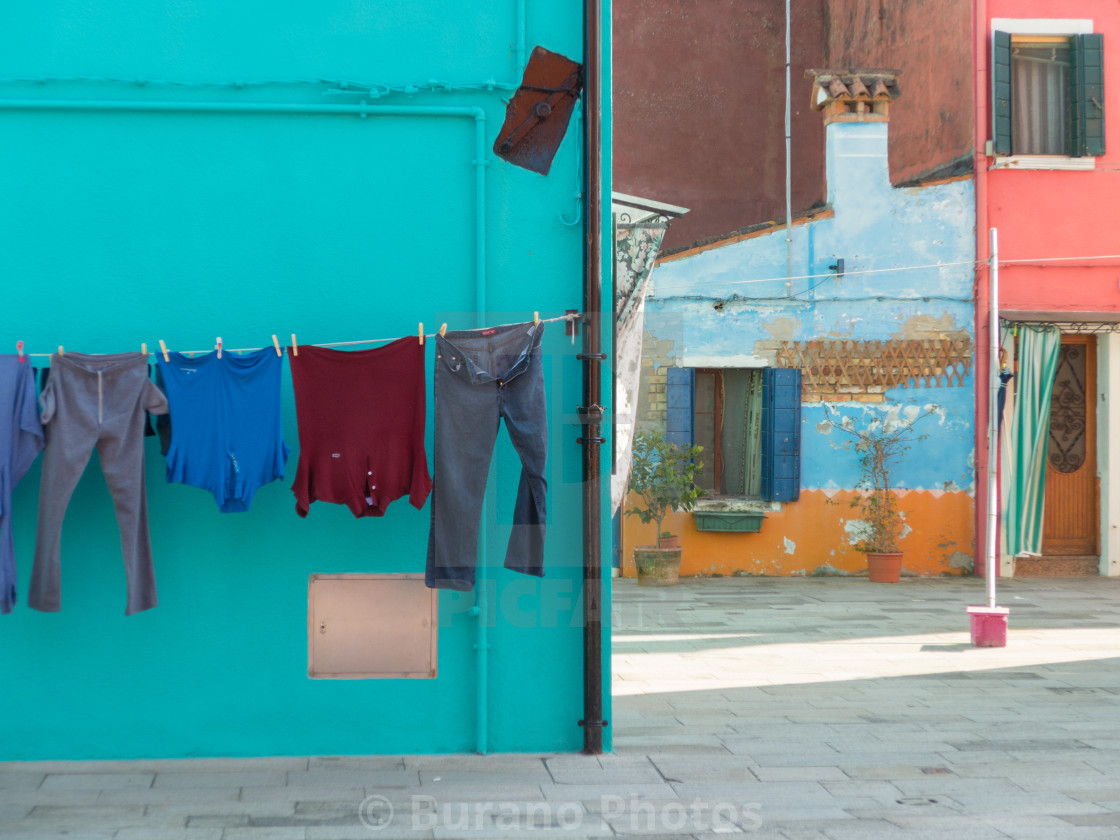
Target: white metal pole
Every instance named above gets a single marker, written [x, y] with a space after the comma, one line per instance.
[993, 420]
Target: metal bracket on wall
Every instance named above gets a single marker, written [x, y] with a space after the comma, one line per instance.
[591, 416]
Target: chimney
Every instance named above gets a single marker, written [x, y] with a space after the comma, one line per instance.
[854, 95]
[856, 106]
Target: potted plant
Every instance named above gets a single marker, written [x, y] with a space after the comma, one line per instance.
[663, 475]
[880, 447]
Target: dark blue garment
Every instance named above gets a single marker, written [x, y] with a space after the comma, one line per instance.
[21, 439]
[483, 377]
[226, 429]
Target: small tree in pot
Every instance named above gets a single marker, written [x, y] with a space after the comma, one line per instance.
[880, 447]
[663, 475]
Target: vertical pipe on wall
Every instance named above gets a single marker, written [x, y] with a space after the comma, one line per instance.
[591, 410]
[993, 421]
[521, 41]
[980, 92]
[789, 164]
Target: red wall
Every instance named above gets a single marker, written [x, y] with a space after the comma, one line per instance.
[1045, 214]
[930, 42]
[699, 99]
[699, 110]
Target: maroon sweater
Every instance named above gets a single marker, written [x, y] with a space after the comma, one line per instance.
[361, 427]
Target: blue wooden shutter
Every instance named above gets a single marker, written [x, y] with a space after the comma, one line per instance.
[1088, 95]
[1001, 93]
[678, 402]
[781, 435]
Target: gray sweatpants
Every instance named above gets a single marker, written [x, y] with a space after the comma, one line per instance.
[96, 400]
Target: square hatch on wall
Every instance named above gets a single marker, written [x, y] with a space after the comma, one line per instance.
[371, 627]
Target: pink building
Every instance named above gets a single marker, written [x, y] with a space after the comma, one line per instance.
[1048, 182]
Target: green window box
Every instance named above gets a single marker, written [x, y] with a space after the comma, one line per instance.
[735, 522]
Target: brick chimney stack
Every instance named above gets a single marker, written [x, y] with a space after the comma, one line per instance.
[854, 95]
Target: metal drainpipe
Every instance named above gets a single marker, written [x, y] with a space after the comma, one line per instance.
[591, 411]
[980, 93]
[789, 166]
[361, 110]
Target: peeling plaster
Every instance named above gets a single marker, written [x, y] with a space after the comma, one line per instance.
[930, 327]
[722, 360]
[960, 560]
[857, 531]
[781, 329]
[828, 570]
[789, 544]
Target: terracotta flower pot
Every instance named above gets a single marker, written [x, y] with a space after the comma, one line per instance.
[884, 568]
[673, 541]
[657, 566]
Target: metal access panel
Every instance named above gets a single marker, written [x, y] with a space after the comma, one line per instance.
[371, 627]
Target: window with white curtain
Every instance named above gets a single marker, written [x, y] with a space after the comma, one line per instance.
[1047, 91]
[1040, 96]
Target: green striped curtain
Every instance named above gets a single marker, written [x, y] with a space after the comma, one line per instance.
[1030, 436]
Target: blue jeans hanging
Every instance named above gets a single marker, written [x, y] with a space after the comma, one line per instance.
[481, 377]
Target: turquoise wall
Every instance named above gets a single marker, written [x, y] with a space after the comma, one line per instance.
[118, 228]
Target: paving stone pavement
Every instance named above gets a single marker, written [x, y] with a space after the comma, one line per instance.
[777, 709]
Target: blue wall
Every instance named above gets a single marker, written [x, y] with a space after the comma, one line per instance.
[908, 275]
[121, 228]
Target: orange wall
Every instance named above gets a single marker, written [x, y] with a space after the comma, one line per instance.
[808, 537]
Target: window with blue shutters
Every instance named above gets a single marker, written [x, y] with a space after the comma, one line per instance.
[678, 401]
[1047, 94]
[749, 423]
[781, 435]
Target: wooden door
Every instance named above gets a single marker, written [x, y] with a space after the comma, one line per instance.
[1071, 522]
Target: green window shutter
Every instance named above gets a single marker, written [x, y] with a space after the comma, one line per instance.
[1087, 80]
[781, 434]
[678, 399]
[1001, 93]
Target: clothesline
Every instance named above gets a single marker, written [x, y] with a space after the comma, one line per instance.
[570, 317]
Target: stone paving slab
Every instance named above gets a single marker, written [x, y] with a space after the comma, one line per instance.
[96, 781]
[352, 778]
[817, 709]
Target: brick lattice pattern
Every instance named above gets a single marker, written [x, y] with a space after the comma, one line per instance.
[862, 371]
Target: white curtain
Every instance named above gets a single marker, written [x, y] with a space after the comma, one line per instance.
[1040, 100]
[636, 248]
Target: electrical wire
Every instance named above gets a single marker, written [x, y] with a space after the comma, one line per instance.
[861, 272]
[831, 274]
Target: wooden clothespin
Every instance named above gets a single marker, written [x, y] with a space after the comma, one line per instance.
[536, 318]
[421, 333]
[276, 344]
[163, 349]
[61, 352]
[295, 347]
[443, 330]
[143, 349]
[19, 350]
[219, 347]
